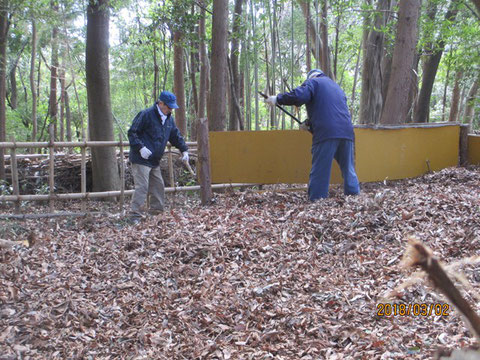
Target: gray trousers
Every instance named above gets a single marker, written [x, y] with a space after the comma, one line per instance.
[148, 181]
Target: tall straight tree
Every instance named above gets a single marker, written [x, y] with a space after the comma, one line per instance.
[396, 104]
[218, 71]
[178, 82]
[430, 70]
[32, 80]
[202, 98]
[4, 24]
[100, 118]
[371, 99]
[52, 102]
[235, 121]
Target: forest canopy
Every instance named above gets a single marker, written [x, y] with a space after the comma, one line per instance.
[156, 45]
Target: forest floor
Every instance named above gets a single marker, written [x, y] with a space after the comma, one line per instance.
[254, 276]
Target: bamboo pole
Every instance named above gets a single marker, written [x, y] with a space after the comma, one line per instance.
[122, 174]
[57, 144]
[83, 175]
[109, 194]
[51, 172]
[14, 170]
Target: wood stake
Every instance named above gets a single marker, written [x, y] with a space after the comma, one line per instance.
[83, 175]
[122, 175]
[16, 188]
[203, 169]
[51, 173]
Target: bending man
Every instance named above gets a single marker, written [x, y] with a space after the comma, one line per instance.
[332, 130]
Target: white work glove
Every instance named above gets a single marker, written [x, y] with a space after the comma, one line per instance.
[185, 156]
[271, 100]
[306, 126]
[145, 153]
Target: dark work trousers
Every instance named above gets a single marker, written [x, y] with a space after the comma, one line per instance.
[323, 154]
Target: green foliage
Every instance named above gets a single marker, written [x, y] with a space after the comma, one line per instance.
[140, 29]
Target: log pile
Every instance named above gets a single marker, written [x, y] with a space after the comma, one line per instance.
[33, 173]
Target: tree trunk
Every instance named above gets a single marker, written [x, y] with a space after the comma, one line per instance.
[470, 103]
[155, 74]
[100, 119]
[52, 102]
[235, 121]
[371, 99]
[68, 117]
[61, 75]
[202, 99]
[477, 4]
[32, 80]
[13, 79]
[193, 79]
[218, 70]
[430, 71]
[455, 97]
[309, 28]
[324, 52]
[3, 80]
[178, 85]
[396, 104]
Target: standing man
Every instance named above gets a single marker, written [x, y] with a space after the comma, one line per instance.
[332, 131]
[148, 136]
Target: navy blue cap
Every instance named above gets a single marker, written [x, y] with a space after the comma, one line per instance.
[314, 73]
[168, 99]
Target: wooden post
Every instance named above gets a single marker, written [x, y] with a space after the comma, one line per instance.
[463, 145]
[171, 175]
[14, 169]
[83, 174]
[51, 173]
[204, 176]
[170, 166]
[122, 175]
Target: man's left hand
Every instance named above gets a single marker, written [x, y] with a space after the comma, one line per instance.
[185, 156]
[306, 126]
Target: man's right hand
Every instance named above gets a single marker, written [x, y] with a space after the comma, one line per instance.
[145, 153]
[271, 100]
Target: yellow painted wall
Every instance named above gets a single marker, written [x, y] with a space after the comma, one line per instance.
[474, 149]
[284, 156]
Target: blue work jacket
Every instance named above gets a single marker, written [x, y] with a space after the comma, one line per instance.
[147, 130]
[326, 108]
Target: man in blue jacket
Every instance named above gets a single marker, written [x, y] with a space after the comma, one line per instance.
[332, 129]
[148, 136]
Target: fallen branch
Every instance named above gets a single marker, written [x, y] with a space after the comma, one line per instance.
[419, 254]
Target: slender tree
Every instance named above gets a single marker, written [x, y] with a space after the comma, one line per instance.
[52, 102]
[455, 97]
[218, 70]
[235, 121]
[203, 88]
[178, 82]
[100, 119]
[470, 103]
[4, 25]
[396, 104]
[430, 70]
[371, 99]
[33, 56]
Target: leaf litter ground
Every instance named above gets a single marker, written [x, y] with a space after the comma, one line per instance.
[254, 276]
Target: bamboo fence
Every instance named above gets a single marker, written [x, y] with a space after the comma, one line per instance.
[83, 195]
